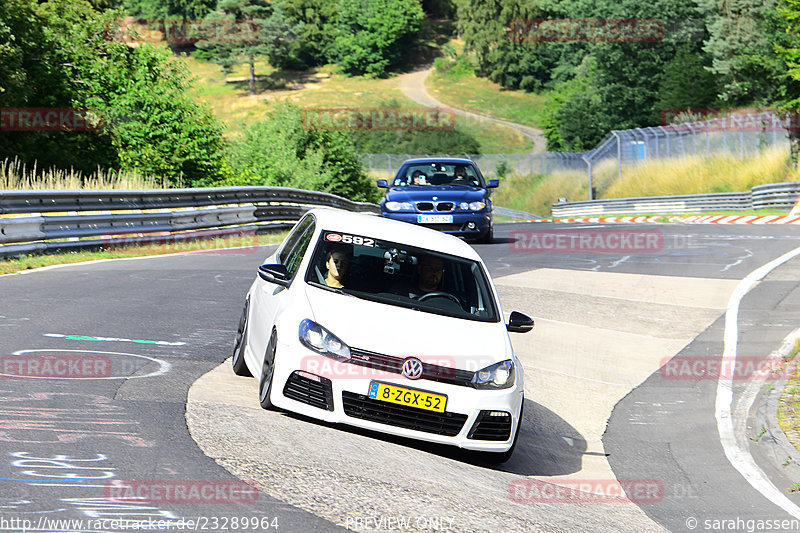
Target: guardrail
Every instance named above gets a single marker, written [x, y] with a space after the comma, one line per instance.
[46, 221]
[776, 196]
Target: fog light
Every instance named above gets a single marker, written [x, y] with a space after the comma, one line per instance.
[471, 225]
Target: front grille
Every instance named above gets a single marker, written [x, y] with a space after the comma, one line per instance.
[424, 206]
[445, 206]
[394, 365]
[365, 408]
[489, 427]
[316, 392]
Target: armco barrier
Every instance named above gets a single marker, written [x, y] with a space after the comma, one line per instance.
[42, 221]
[776, 196]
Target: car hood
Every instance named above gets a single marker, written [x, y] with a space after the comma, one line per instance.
[451, 194]
[402, 332]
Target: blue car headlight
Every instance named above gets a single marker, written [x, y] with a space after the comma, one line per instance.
[318, 339]
[477, 206]
[497, 376]
[398, 206]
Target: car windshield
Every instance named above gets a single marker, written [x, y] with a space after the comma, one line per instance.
[401, 275]
[437, 173]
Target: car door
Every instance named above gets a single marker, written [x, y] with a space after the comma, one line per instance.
[270, 298]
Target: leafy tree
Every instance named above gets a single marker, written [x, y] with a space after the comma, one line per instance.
[370, 35]
[687, 83]
[280, 151]
[271, 36]
[316, 19]
[63, 59]
[167, 9]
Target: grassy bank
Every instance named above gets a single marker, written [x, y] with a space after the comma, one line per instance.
[690, 175]
[16, 176]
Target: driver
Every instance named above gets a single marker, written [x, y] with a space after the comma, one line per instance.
[429, 275]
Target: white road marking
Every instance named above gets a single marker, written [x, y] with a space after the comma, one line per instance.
[737, 454]
[163, 367]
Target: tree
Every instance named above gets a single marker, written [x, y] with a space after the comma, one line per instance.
[370, 35]
[312, 47]
[262, 30]
[62, 58]
[168, 9]
[687, 83]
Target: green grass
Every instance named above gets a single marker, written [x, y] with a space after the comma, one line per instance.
[691, 175]
[28, 262]
[484, 97]
[789, 404]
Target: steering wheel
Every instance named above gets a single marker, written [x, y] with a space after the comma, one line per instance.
[434, 294]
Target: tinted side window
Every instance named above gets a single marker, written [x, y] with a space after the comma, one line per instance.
[295, 257]
[294, 237]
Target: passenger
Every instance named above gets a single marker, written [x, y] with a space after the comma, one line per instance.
[419, 178]
[337, 263]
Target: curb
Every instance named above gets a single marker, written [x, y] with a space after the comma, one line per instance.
[682, 219]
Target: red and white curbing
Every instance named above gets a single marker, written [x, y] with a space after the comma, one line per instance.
[738, 219]
[683, 219]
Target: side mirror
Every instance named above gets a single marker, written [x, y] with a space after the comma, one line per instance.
[492, 184]
[383, 184]
[519, 323]
[274, 274]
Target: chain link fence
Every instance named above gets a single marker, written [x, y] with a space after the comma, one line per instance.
[740, 134]
[547, 163]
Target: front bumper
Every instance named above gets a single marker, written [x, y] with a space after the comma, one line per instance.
[470, 420]
[460, 226]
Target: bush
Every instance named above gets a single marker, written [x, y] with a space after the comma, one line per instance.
[280, 151]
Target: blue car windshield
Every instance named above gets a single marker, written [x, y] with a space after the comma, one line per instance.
[458, 174]
[401, 275]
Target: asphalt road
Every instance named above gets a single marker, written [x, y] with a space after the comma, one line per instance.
[151, 327]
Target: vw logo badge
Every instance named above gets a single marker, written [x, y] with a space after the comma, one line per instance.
[412, 368]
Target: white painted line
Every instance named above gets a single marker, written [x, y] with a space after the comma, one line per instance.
[738, 455]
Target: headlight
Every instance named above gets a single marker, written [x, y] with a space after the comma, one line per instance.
[316, 338]
[477, 206]
[398, 206]
[497, 376]
[463, 206]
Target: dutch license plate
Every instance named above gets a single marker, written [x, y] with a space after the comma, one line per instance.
[409, 397]
[435, 219]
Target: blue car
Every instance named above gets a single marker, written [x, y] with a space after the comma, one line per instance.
[449, 195]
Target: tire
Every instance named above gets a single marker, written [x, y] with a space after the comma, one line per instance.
[267, 369]
[488, 238]
[239, 366]
[502, 457]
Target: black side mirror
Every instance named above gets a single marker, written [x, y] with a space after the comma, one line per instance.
[274, 274]
[383, 184]
[519, 323]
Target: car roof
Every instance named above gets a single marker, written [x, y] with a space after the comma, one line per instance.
[440, 160]
[378, 227]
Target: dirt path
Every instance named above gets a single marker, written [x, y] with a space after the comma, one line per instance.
[413, 86]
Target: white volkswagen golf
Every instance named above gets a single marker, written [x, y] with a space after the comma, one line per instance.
[384, 325]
